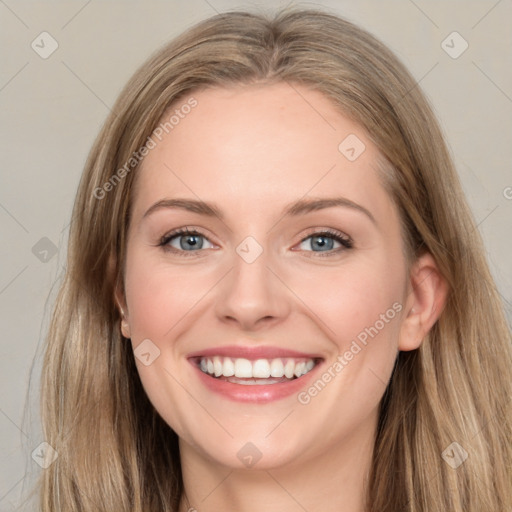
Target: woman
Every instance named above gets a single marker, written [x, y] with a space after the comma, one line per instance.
[276, 297]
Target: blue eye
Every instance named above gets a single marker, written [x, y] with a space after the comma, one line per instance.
[325, 242]
[184, 240]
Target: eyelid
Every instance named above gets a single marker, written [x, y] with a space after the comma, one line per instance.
[183, 231]
[328, 231]
[342, 238]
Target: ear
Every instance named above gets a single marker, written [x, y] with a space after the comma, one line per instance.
[120, 301]
[428, 291]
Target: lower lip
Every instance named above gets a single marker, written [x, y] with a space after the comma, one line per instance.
[258, 393]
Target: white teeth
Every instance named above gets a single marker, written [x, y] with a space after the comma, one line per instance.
[261, 369]
[242, 368]
[300, 369]
[289, 368]
[217, 366]
[228, 369]
[253, 382]
[277, 368]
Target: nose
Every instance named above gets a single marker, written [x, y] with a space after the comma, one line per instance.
[252, 296]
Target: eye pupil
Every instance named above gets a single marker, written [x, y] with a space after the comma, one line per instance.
[323, 242]
[192, 240]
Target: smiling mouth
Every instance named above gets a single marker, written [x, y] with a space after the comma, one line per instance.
[256, 372]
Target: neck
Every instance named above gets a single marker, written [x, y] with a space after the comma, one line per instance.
[334, 479]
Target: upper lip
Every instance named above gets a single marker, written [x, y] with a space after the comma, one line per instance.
[252, 352]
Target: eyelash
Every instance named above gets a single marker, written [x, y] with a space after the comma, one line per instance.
[344, 240]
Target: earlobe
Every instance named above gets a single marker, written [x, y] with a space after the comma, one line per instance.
[119, 296]
[125, 328]
[123, 311]
[125, 325]
[424, 304]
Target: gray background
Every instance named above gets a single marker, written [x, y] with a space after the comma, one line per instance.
[52, 109]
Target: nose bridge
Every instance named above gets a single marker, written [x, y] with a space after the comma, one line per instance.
[251, 291]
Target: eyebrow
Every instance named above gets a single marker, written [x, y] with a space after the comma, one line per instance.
[299, 207]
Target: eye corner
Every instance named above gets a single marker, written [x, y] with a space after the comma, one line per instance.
[345, 241]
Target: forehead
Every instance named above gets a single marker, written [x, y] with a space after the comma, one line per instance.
[255, 145]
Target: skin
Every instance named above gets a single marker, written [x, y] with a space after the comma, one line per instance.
[252, 150]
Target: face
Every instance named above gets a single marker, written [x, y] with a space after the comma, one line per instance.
[262, 243]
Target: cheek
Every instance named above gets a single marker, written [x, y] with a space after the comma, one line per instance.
[359, 310]
[352, 298]
[159, 296]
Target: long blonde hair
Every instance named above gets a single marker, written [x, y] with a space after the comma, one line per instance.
[115, 451]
